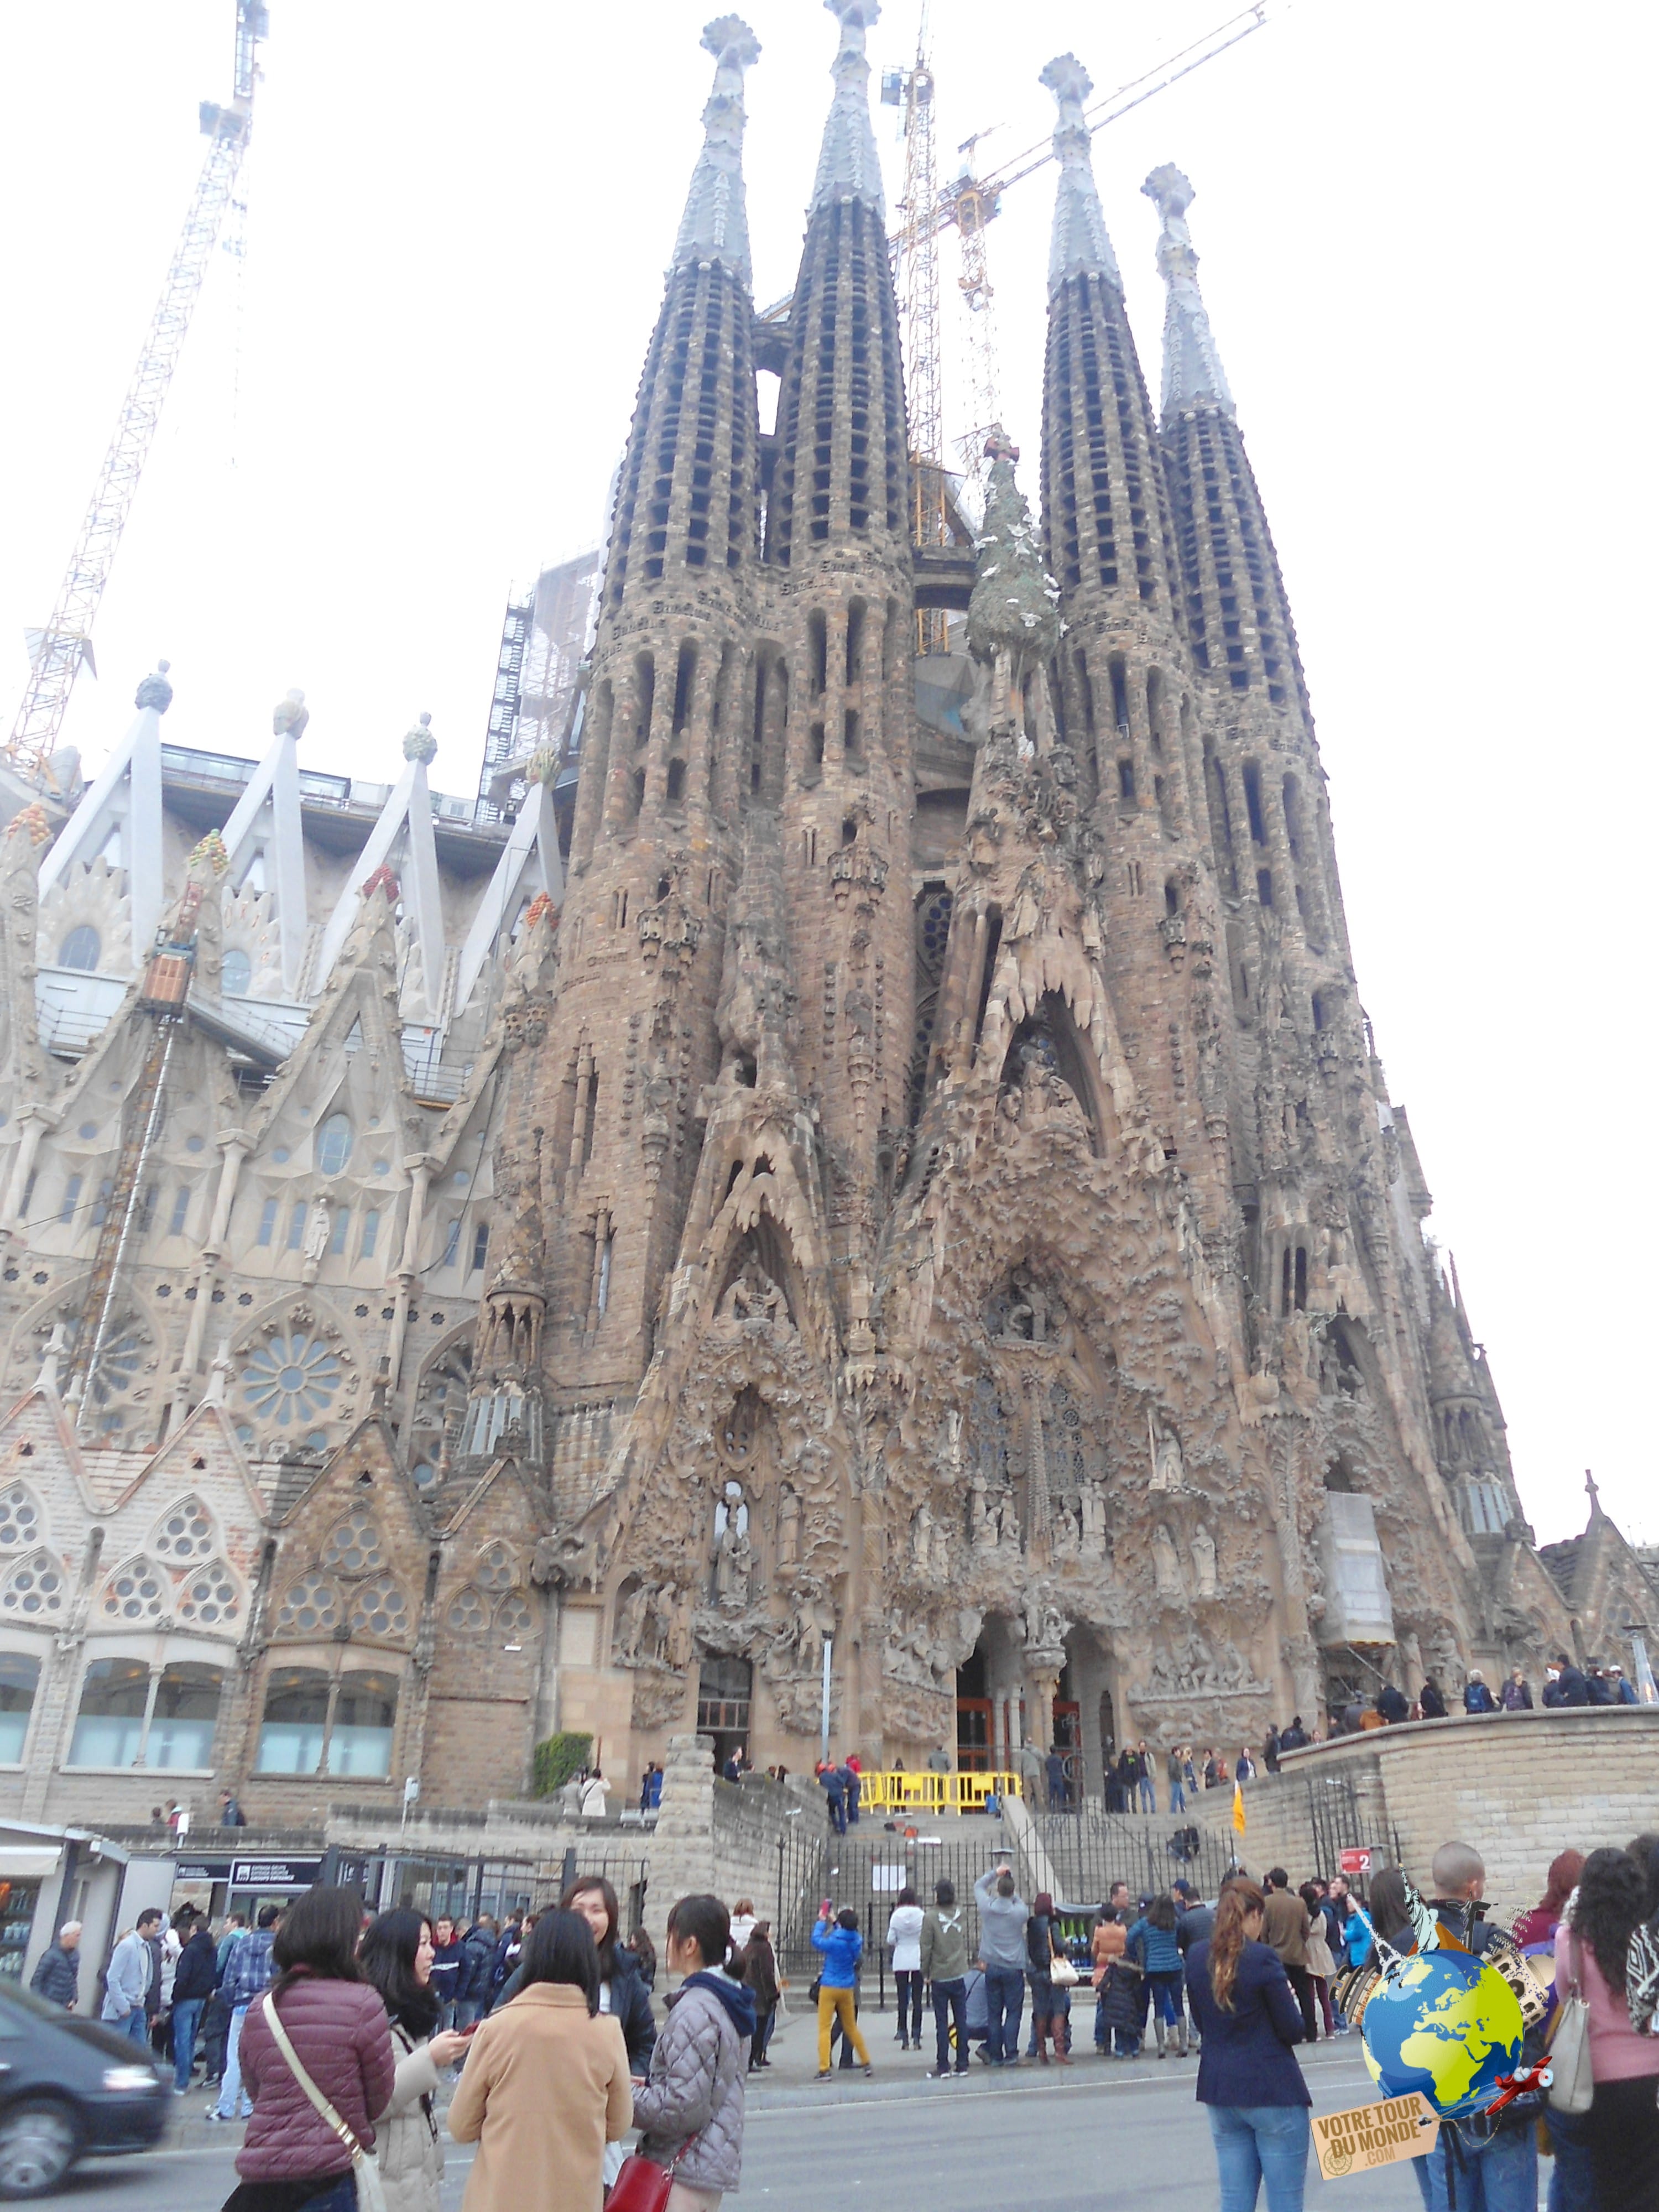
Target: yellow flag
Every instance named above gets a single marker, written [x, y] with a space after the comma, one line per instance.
[1238, 1807]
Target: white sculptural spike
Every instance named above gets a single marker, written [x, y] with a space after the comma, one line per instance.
[1193, 374]
[1081, 246]
[715, 225]
[849, 167]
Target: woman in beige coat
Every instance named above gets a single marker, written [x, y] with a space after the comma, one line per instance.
[546, 2085]
[395, 1956]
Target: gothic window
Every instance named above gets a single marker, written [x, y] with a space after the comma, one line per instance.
[20, 1518]
[295, 1720]
[209, 1596]
[183, 1713]
[139, 1591]
[80, 949]
[360, 1739]
[379, 1610]
[353, 1547]
[291, 1379]
[19, 1676]
[467, 1614]
[496, 1570]
[34, 1590]
[235, 973]
[185, 1534]
[109, 1727]
[442, 1405]
[310, 1607]
[513, 1618]
[333, 1145]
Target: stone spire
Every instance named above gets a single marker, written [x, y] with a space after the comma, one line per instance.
[1080, 245]
[849, 167]
[715, 227]
[1193, 374]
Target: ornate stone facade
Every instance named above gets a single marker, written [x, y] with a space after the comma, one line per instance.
[918, 1230]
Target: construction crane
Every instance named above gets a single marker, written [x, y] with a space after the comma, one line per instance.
[912, 90]
[57, 653]
[969, 203]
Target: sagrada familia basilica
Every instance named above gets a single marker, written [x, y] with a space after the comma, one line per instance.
[879, 1187]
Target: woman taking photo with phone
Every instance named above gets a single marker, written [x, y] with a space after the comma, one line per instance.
[395, 1956]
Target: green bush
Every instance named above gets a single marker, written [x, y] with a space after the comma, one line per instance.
[558, 1759]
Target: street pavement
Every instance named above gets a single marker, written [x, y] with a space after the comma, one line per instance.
[1130, 2133]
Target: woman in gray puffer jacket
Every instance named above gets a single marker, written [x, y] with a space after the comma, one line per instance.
[691, 2108]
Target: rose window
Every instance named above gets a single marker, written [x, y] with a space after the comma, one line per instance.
[310, 1607]
[119, 1363]
[20, 1518]
[380, 1609]
[291, 1379]
[186, 1534]
[512, 1617]
[494, 1569]
[467, 1616]
[34, 1589]
[353, 1545]
[138, 1591]
[209, 1596]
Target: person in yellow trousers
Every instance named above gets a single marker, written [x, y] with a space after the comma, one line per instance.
[842, 1946]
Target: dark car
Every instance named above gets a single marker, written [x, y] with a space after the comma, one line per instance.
[69, 2088]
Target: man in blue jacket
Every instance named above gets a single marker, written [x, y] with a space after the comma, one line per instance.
[841, 1947]
[249, 1973]
[193, 1980]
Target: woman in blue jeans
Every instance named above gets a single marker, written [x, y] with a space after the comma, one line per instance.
[1248, 2077]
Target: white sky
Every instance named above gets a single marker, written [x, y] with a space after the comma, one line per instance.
[1423, 228]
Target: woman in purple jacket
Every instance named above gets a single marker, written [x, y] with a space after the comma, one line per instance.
[1245, 2010]
[292, 2160]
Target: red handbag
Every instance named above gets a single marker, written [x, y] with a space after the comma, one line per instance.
[643, 2185]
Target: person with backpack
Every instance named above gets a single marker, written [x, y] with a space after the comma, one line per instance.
[508, 1952]
[944, 1948]
[757, 1967]
[249, 1972]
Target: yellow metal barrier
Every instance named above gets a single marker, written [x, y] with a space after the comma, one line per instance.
[932, 1793]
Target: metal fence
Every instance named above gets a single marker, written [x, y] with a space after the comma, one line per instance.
[1337, 1822]
[1090, 1848]
[867, 1871]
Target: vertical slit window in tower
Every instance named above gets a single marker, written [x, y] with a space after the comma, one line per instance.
[146, 1208]
[602, 1289]
[645, 672]
[635, 793]
[1221, 823]
[371, 1236]
[451, 1242]
[100, 1204]
[850, 732]
[1171, 896]
[1292, 792]
[854, 641]
[1285, 1283]
[180, 1211]
[591, 1117]
[480, 1246]
[1120, 694]
[1253, 803]
[71, 1199]
[1300, 1286]
[757, 735]
[297, 1224]
[993, 944]
[1264, 886]
[1318, 1010]
[1085, 689]
[267, 1222]
[815, 739]
[336, 1242]
[818, 648]
[1155, 709]
[684, 673]
[676, 782]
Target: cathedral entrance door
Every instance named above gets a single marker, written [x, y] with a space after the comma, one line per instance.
[725, 1688]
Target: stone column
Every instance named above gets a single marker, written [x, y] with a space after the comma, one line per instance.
[683, 1846]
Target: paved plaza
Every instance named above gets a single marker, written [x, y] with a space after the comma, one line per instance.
[1066, 2137]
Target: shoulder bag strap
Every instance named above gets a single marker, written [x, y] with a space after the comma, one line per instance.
[314, 2095]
